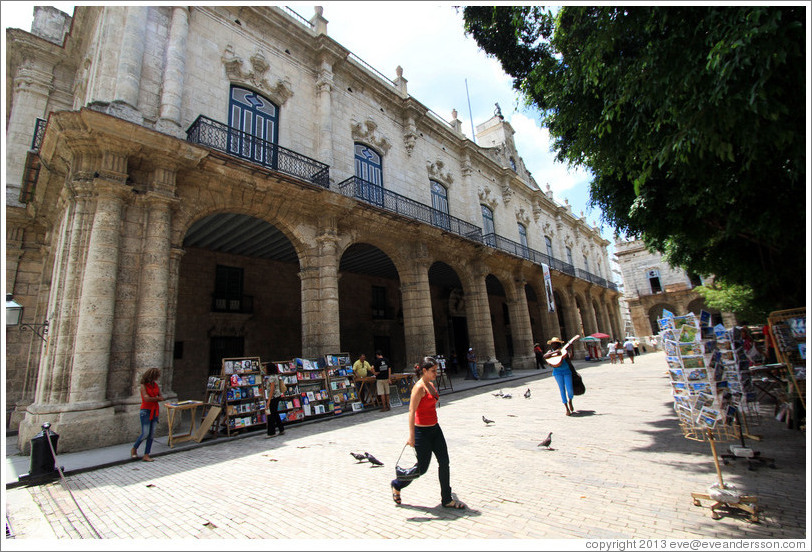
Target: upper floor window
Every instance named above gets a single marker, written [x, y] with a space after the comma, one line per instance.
[522, 235]
[512, 164]
[228, 290]
[654, 280]
[379, 302]
[368, 170]
[695, 279]
[569, 256]
[488, 229]
[549, 243]
[586, 263]
[257, 119]
[439, 201]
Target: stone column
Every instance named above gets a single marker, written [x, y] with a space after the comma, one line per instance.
[33, 84]
[172, 91]
[319, 276]
[418, 321]
[153, 290]
[91, 354]
[592, 316]
[130, 62]
[522, 331]
[175, 255]
[324, 86]
[478, 312]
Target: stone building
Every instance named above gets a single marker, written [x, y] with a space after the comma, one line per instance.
[186, 184]
[650, 285]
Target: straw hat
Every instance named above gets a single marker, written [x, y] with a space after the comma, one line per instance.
[554, 340]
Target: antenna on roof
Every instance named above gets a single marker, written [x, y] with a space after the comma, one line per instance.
[470, 115]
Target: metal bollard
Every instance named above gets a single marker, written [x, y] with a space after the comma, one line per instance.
[43, 460]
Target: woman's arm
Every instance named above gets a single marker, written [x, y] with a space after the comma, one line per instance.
[418, 391]
[146, 398]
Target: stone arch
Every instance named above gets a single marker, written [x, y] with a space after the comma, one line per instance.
[698, 304]
[656, 312]
[449, 315]
[563, 307]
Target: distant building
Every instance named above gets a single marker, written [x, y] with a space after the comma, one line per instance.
[186, 184]
[650, 285]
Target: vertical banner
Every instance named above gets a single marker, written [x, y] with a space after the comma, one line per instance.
[548, 288]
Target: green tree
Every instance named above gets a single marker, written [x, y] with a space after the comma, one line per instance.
[691, 120]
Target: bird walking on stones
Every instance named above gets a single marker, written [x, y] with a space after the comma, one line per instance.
[499, 394]
[372, 459]
[359, 457]
[527, 393]
[507, 396]
[486, 420]
[546, 442]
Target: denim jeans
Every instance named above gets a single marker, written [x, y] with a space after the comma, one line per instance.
[428, 440]
[563, 376]
[472, 370]
[147, 431]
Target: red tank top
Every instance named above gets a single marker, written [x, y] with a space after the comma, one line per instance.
[426, 412]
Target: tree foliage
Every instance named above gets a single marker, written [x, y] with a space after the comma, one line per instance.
[691, 119]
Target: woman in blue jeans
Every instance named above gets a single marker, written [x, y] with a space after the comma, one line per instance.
[562, 373]
[150, 397]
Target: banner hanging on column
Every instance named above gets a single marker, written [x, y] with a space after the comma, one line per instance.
[548, 287]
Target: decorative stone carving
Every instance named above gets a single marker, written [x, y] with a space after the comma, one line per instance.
[486, 198]
[410, 135]
[436, 172]
[537, 210]
[522, 216]
[507, 191]
[257, 77]
[367, 131]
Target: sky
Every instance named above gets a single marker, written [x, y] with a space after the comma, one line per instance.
[427, 40]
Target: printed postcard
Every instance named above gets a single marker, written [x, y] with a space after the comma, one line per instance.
[689, 333]
[676, 374]
[698, 374]
[693, 362]
[690, 348]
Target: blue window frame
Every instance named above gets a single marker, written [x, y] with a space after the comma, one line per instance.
[488, 229]
[523, 236]
[439, 201]
[368, 169]
[255, 120]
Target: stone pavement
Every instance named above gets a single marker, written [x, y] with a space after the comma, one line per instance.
[620, 468]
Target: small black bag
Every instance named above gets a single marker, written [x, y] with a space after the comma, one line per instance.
[578, 387]
[406, 474]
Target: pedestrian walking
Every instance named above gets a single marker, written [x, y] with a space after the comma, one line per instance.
[425, 434]
[636, 344]
[629, 346]
[612, 352]
[562, 373]
[619, 350]
[471, 357]
[274, 389]
[150, 397]
[539, 356]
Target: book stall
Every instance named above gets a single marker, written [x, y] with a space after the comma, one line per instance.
[713, 397]
[316, 388]
[788, 331]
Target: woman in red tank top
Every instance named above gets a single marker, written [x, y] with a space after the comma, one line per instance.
[425, 434]
[150, 397]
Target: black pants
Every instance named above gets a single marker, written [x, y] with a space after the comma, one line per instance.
[273, 418]
[428, 440]
[539, 361]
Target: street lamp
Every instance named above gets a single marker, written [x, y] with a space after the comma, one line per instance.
[14, 314]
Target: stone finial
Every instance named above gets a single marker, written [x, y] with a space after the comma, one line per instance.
[399, 71]
[319, 10]
[454, 114]
[318, 21]
[400, 82]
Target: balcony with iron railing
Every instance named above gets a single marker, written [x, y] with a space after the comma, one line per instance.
[218, 136]
[386, 199]
[32, 163]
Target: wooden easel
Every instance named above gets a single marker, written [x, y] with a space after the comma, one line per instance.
[746, 503]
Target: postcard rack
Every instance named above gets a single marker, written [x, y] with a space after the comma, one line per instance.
[788, 332]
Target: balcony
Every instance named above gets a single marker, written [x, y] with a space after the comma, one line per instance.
[242, 145]
[32, 163]
[385, 199]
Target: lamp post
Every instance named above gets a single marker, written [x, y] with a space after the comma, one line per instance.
[14, 314]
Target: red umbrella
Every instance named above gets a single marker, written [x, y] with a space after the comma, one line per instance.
[600, 335]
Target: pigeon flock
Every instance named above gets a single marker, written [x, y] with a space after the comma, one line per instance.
[366, 457]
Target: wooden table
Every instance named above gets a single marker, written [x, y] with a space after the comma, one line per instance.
[369, 390]
[174, 410]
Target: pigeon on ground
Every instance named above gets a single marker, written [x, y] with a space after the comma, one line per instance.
[507, 396]
[359, 457]
[499, 394]
[546, 442]
[527, 393]
[372, 459]
[486, 420]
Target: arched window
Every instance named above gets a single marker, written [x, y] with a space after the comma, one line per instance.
[368, 170]
[488, 230]
[654, 280]
[439, 201]
[256, 120]
[549, 243]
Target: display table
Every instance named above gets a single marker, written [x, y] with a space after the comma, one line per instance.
[174, 412]
[368, 390]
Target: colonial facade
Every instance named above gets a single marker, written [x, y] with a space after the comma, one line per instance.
[650, 285]
[185, 184]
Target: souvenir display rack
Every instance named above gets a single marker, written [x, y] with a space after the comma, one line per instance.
[788, 331]
[244, 395]
[701, 363]
[290, 403]
[312, 382]
[342, 389]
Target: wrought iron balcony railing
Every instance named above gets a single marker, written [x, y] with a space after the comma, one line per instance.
[232, 141]
[402, 205]
[32, 163]
[39, 132]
